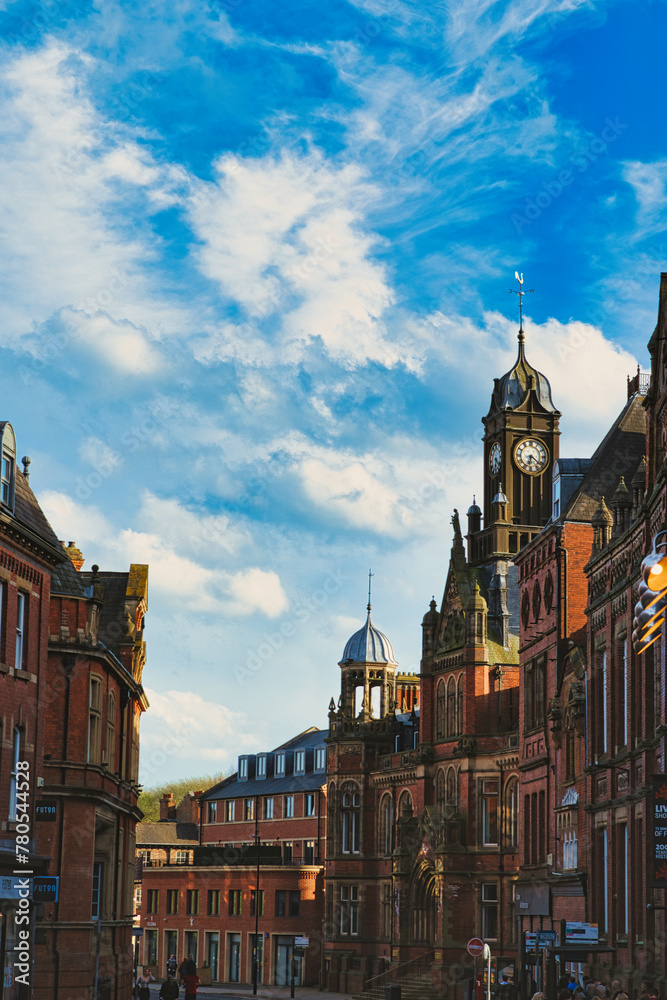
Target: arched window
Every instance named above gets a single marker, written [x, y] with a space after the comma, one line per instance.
[111, 731]
[351, 816]
[452, 789]
[512, 812]
[440, 717]
[537, 600]
[7, 465]
[405, 805]
[548, 593]
[459, 704]
[440, 791]
[331, 812]
[451, 707]
[386, 824]
[525, 609]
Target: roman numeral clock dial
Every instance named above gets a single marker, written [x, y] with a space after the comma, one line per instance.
[531, 456]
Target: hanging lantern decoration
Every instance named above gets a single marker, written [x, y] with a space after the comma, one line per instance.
[650, 608]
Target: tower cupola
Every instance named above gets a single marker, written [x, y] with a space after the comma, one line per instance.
[368, 663]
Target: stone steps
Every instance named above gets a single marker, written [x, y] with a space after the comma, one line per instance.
[411, 989]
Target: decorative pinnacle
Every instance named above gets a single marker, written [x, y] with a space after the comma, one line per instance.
[520, 292]
[370, 576]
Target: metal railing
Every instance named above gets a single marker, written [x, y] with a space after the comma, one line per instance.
[414, 969]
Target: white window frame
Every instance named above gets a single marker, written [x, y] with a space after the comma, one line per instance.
[7, 480]
[94, 719]
[288, 807]
[268, 807]
[349, 910]
[230, 805]
[243, 768]
[280, 765]
[14, 774]
[309, 804]
[261, 766]
[320, 758]
[486, 814]
[97, 885]
[20, 629]
[300, 762]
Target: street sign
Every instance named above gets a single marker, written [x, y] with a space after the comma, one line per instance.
[547, 938]
[137, 932]
[476, 947]
[45, 810]
[45, 889]
[301, 942]
[578, 932]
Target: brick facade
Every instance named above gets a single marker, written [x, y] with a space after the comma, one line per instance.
[278, 797]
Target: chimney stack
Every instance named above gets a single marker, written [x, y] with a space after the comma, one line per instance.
[167, 810]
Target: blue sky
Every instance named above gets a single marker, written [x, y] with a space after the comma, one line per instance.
[255, 262]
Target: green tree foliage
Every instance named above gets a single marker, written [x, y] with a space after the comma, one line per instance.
[149, 800]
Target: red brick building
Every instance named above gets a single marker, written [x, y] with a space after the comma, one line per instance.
[29, 553]
[555, 860]
[626, 695]
[209, 907]
[423, 844]
[91, 760]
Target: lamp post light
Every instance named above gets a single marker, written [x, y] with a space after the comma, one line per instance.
[255, 961]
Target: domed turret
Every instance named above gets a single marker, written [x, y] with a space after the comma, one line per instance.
[512, 390]
[368, 645]
[368, 666]
[474, 516]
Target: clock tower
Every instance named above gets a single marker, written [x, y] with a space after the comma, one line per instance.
[520, 446]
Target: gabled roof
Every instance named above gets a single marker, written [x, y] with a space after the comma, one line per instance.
[618, 454]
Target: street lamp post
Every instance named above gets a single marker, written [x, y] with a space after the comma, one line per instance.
[255, 963]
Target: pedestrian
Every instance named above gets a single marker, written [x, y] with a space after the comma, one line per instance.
[143, 982]
[172, 965]
[169, 989]
[191, 980]
[181, 970]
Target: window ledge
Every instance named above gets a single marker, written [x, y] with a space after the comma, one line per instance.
[4, 668]
[23, 675]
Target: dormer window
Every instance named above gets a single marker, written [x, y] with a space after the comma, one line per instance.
[261, 766]
[280, 765]
[555, 486]
[300, 762]
[243, 768]
[7, 465]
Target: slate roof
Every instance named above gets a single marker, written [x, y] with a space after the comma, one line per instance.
[112, 616]
[232, 788]
[168, 833]
[28, 513]
[619, 454]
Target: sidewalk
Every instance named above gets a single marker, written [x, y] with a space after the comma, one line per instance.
[266, 992]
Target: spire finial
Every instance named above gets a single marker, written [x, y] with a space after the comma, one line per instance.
[370, 576]
[520, 292]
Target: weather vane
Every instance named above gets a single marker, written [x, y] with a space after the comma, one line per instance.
[520, 292]
[370, 575]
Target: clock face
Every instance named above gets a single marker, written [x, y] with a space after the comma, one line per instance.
[495, 455]
[531, 456]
